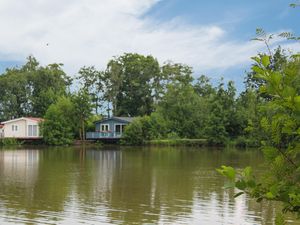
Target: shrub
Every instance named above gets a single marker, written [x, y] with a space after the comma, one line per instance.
[143, 129]
[9, 142]
[58, 128]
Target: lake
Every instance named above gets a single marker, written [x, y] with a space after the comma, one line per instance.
[113, 185]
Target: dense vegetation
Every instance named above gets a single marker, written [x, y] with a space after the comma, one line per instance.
[167, 101]
[169, 104]
[281, 141]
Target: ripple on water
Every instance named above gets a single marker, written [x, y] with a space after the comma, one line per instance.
[159, 186]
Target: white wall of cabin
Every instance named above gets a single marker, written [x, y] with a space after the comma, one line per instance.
[22, 131]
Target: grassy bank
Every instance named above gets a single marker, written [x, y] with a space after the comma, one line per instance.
[10, 142]
[178, 142]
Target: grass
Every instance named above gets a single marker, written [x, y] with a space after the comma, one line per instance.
[178, 142]
[9, 142]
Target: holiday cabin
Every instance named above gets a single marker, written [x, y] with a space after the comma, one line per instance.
[21, 128]
[109, 128]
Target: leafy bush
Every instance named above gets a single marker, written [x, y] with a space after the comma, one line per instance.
[178, 142]
[58, 128]
[281, 181]
[143, 129]
[133, 134]
[9, 142]
[245, 142]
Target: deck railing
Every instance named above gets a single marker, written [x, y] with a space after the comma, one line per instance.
[99, 135]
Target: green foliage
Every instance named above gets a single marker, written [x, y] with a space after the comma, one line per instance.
[59, 125]
[223, 121]
[183, 110]
[31, 89]
[90, 122]
[280, 220]
[281, 147]
[178, 142]
[82, 110]
[192, 111]
[9, 142]
[227, 171]
[130, 80]
[92, 81]
[203, 87]
[143, 129]
[133, 134]
[135, 85]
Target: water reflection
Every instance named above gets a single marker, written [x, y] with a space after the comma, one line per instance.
[125, 186]
[19, 166]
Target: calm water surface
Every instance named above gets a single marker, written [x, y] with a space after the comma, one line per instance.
[126, 186]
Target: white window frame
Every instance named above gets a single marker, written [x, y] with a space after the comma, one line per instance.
[121, 124]
[104, 125]
[14, 127]
[31, 132]
[35, 132]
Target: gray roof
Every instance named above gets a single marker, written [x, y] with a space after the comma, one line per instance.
[119, 118]
[127, 119]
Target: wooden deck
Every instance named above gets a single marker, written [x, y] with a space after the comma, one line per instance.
[103, 135]
[22, 138]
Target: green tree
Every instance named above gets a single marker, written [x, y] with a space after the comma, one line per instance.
[278, 59]
[185, 112]
[203, 87]
[59, 125]
[223, 123]
[129, 81]
[281, 182]
[14, 96]
[248, 115]
[31, 89]
[46, 85]
[137, 132]
[82, 110]
[215, 130]
[92, 81]
[175, 73]
[145, 128]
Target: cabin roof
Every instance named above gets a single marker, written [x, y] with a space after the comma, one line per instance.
[35, 119]
[24, 118]
[117, 118]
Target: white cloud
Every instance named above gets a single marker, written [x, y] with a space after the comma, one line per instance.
[90, 32]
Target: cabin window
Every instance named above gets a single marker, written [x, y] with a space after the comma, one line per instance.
[120, 128]
[29, 130]
[14, 128]
[104, 127]
[32, 130]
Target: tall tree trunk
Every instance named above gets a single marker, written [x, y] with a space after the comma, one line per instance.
[83, 130]
[80, 134]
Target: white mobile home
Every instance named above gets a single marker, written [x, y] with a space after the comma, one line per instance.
[24, 127]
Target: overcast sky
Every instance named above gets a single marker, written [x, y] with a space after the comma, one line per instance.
[211, 36]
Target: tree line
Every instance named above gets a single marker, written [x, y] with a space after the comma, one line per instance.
[169, 103]
[166, 99]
